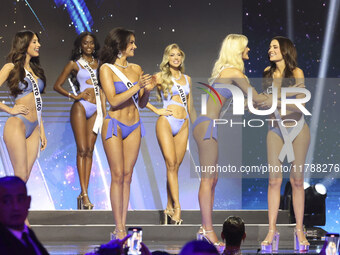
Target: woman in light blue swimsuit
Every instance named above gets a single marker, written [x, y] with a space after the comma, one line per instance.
[127, 90]
[22, 132]
[84, 109]
[172, 126]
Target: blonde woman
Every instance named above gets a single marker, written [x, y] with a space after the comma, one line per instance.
[228, 69]
[172, 127]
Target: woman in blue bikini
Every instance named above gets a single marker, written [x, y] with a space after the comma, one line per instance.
[84, 109]
[24, 129]
[228, 69]
[172, 126]
[127, 90]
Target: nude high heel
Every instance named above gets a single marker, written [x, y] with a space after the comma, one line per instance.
[273, 246]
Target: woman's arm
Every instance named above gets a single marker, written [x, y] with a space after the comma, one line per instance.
[103, 101]
[58, 86]
[106, 80]
[148, 83]
[17, 108]
[242, 82]
[191, 108]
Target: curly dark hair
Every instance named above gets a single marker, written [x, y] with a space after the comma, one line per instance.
[117, 40]
[76, 52]
[289, 55]
[17, 56]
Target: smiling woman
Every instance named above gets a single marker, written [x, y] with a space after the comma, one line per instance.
[24, 129]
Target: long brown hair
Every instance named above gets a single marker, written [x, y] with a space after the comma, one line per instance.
[17, 56]
[289, 55]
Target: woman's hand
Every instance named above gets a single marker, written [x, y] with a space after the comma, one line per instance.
[164, 112]
[86, 95]
[145, 81]
[19, 109]
[43, 141]
[267, 103]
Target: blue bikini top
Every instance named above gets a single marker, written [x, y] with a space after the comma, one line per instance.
[29, 89]
[223, 91]
[120, 86]
[82, 76]
[186, 89]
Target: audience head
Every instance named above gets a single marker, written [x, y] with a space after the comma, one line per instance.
[14, 202]
[198, 248]
[233, 231]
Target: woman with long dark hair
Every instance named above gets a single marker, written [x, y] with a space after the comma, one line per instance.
[24, 129]
[127, 90]
[172, 127]
[85, 119]
[283, 72]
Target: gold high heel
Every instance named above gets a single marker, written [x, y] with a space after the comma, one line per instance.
[202, 236]
[115, 233]
[176, 221]
[167, 214]
[301, 246]
[273, 246]
[81, 205]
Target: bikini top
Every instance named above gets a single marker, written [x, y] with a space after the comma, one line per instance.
[29, 89]
[223, 91]
[169, 101]
[120, 86]
[82, 76]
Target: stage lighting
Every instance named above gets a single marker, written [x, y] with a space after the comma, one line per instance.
[315, 204]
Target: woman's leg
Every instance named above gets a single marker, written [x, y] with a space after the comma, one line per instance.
[180, 141]
[167, 146]
[131, 145]
[274, 146]
[15, 140]
[78, 123]
[114, 153]
[300, 145]
[91, 140]
[208, 155]
[32, 147]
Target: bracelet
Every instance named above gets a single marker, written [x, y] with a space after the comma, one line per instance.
[69, 96]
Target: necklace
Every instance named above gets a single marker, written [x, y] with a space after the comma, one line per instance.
[89, 63]
[180, 76]
[127, 64]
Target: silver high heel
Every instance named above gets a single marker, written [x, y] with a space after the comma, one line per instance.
[176, 221]
[202, 236]
[273, 246]
[301, 246]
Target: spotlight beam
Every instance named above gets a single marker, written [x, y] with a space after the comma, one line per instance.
[333, 11]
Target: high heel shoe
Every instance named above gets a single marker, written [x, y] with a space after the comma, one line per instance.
[81, 205]
[115, 233]
[273, 246]
[202, 236]
[299, 245]
[167, 215]
[176, 221]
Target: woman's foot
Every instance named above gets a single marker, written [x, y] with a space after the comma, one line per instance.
[300, 241]
[168, 213]
[271, 242]
[210, 237]
[118, 233]
[176, 217]
[84, 202]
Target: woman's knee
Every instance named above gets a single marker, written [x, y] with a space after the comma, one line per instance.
[297, 183]
[171, 164]
[82, 152]
[275, 183]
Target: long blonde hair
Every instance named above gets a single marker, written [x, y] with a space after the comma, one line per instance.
[230, 55]
[165, 74]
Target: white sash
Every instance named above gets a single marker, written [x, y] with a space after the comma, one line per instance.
[72, 87]
[288, 137]
[181, 93]
[126, 82]
[99, 119]
[37, 96]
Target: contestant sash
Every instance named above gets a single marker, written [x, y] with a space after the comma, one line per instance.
[72, 87]
[126, 82]
[99, 119]
[37, 96]
[181, 93]
[288, 137]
